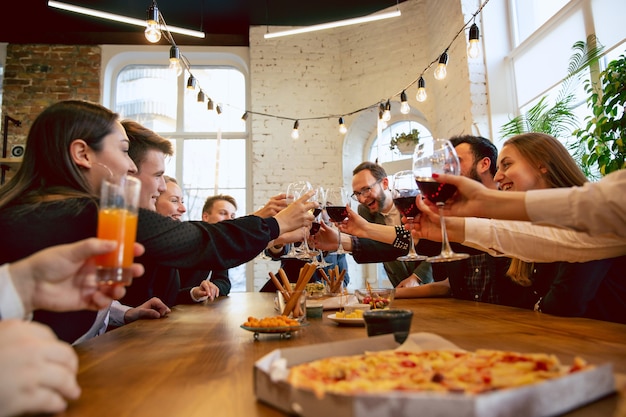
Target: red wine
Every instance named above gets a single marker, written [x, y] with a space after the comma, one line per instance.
[435, 191]
[337, 213]
[406, 206]
[315, 227]
[316, 212]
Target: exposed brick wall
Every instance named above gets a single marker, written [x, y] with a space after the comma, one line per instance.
[36, 76]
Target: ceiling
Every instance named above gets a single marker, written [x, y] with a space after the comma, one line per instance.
[225, 22]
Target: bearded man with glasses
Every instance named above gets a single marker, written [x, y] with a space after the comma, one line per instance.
[370, 185]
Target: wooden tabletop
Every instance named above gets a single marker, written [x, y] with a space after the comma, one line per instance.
[199, 362]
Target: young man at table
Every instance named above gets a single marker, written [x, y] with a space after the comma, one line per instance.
[370, 185]
[216, 208]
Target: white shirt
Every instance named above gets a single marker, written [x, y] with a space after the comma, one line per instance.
[536, 243]
[596, 208]
[11, 307]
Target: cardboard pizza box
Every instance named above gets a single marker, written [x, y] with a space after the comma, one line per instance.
[544, 399]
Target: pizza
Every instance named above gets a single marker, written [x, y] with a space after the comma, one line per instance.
[445, 371]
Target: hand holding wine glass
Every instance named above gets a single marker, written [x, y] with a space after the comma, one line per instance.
[405, 192]
[294, 191]
[437, 156]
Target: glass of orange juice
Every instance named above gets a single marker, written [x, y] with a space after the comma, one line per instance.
[117, 220]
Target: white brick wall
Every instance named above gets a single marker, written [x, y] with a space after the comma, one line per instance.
[338, 71]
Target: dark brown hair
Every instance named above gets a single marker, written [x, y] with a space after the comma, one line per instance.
[142, 140]
[47, 170]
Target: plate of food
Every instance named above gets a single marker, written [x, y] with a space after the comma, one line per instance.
[278, 324]
[351, 319]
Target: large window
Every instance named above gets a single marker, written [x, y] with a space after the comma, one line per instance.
[210, 145]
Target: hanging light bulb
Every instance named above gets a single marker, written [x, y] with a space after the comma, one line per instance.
[294, 133]
[387, 112]
[473, 49]
[153, 32]
[404, 106]
[191, 83]
[200, 96]
[440, 72]
[218, 109]
[342, 126]
[209, 104]
[421, 90]
[175, 61]
[382, 124]
[244, 117]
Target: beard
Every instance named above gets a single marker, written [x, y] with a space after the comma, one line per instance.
[473, 174]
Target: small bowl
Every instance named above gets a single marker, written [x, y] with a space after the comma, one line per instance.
[397, 322]
[314, 310]
[377, 298]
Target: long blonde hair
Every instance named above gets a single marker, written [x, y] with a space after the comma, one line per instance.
[543, 151]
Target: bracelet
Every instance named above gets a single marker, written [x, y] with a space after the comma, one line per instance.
[402, 238]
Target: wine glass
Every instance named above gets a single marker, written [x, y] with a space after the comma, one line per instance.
[404, 195]
[295, 191]
[336, 201]
[316, 225]
[437, 156]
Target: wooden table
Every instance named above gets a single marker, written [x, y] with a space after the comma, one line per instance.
[199, 362]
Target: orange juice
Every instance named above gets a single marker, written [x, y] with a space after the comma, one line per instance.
[120, 225]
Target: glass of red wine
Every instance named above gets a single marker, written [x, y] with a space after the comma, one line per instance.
[336, 201]
[405, 191]
[437, 156]
[294, 192]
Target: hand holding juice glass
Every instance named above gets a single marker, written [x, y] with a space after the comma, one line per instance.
[117, 220]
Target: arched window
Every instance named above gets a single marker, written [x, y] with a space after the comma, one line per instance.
[380, 149]
[210, 152]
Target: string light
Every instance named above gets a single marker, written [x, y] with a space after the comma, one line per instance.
[152, 32]
[387, 112]
[421, 90]
[440, 71]
[473, 49]
[191, 83]
[218, 109]
[342, 126]
[295, 134]
[175, 61]
[404, 104]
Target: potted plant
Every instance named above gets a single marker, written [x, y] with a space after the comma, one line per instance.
[405, 142]
[601, 141]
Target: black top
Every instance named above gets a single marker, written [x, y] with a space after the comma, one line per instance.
[25, 229]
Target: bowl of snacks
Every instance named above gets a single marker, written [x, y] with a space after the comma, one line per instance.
[315, 289]
[377, 298]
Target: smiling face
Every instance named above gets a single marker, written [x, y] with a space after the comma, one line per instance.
[376, 200]
[111, 160]
[170, 203]
[221, 210]
[150, 174]
[515, 173]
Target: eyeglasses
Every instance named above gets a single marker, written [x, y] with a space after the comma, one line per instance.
[365, 191]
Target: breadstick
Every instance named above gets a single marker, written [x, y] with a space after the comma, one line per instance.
[279, 287]
[283, 277]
